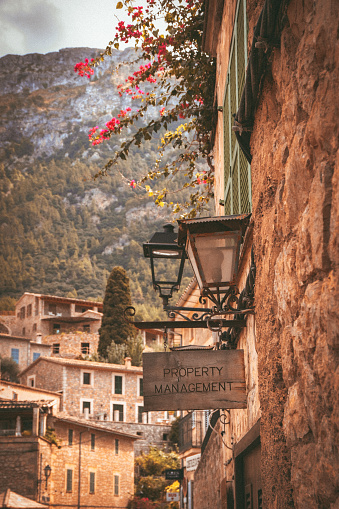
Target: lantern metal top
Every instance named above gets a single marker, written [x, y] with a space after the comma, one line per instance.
[212, 225]
[163, 244]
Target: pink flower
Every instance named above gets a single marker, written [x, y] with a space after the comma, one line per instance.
[132, 184]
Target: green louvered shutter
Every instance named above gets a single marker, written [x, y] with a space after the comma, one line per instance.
[237, 171]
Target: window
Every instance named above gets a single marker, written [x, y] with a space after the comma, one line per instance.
[141, 413]
[36, 356]
[15, 396]
[85, 348]
[165, 437]
[92, 482]
[92, 442]
[116, 485]
[56, 348]
[86, 405]
[31, 381]
[118, 384]
[70, 437]
[22, 312]
[36, 306]
[141, 387]
[87, 328]
[86, 378]
[29, 310]
[23, 331]
[15, 354]
[118, 412]
[116, 445]
[56, 328]
[237, 171]
[69, 480]
[34, 327]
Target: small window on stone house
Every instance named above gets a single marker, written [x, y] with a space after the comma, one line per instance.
[24, 331]
[92, 482]
[36, 356]
[141, 387]
[15, 354]
[15, 396]
[86, 378]
[34, 327]
[31, 381]
[69, 480]
[92, 442]
[85, 348]
[56, 348]
[118, 412]
[56, 328]
[117, 384]
[165, 437]
[116, 446]
[22, 312]
[70, 437]
[86, 405]
[29, 310]
[86, 328]
[116, 485]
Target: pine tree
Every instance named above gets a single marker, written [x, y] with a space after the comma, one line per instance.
[117, 298]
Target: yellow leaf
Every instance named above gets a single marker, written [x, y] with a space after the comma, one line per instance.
[119, 5]
[150, 193]
[161, 203]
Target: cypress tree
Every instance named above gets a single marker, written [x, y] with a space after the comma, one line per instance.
[113, 325]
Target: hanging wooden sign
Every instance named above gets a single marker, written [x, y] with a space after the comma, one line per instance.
[194, 380]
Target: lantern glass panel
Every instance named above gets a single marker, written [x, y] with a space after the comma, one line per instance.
[214, 258]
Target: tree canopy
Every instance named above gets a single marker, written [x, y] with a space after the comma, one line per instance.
[174, 86]
[114, 326]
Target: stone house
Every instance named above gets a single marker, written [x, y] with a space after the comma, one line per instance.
[23, 350]
[85, 459]
[110, 394]
[278, 160]
[46, 315]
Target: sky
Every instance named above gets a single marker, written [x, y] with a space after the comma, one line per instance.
[42, 26]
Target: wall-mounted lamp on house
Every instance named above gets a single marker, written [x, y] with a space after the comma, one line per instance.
[167, 262]
[213, 247]
[47, 471]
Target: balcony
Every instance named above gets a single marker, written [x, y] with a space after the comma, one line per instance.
[191, 430]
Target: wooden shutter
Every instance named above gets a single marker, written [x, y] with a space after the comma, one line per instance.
[237, 171]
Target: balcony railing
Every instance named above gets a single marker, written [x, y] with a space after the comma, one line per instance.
[191, 430]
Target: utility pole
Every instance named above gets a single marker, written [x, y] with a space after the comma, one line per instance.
[79, 474]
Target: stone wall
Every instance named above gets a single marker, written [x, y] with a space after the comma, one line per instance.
[103, 461]
[295, 211]
[20, 459]
[70, 344]
[26, 349]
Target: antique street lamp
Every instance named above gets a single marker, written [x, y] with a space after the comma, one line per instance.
[213, 248]
[47, 471]
[166, 257]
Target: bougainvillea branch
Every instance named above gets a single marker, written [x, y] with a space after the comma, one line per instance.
[177, 78]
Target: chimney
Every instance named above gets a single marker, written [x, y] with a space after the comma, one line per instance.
[128, 362]
[38, 337]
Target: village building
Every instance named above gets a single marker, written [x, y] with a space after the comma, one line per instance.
[111, 394]
[60, 460]
[23, 350]
[46, 315]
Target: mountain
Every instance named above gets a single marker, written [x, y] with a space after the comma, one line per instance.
[61, 231]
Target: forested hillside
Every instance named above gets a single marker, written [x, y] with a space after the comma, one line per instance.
[61, 232]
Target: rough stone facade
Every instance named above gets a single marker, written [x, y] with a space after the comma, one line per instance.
[100, 455]
[26, 349]
[72, 345]
[294, 169]
[295, 210]
[67, 375]
[43, 315]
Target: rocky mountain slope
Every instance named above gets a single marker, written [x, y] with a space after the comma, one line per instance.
[61, 232]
